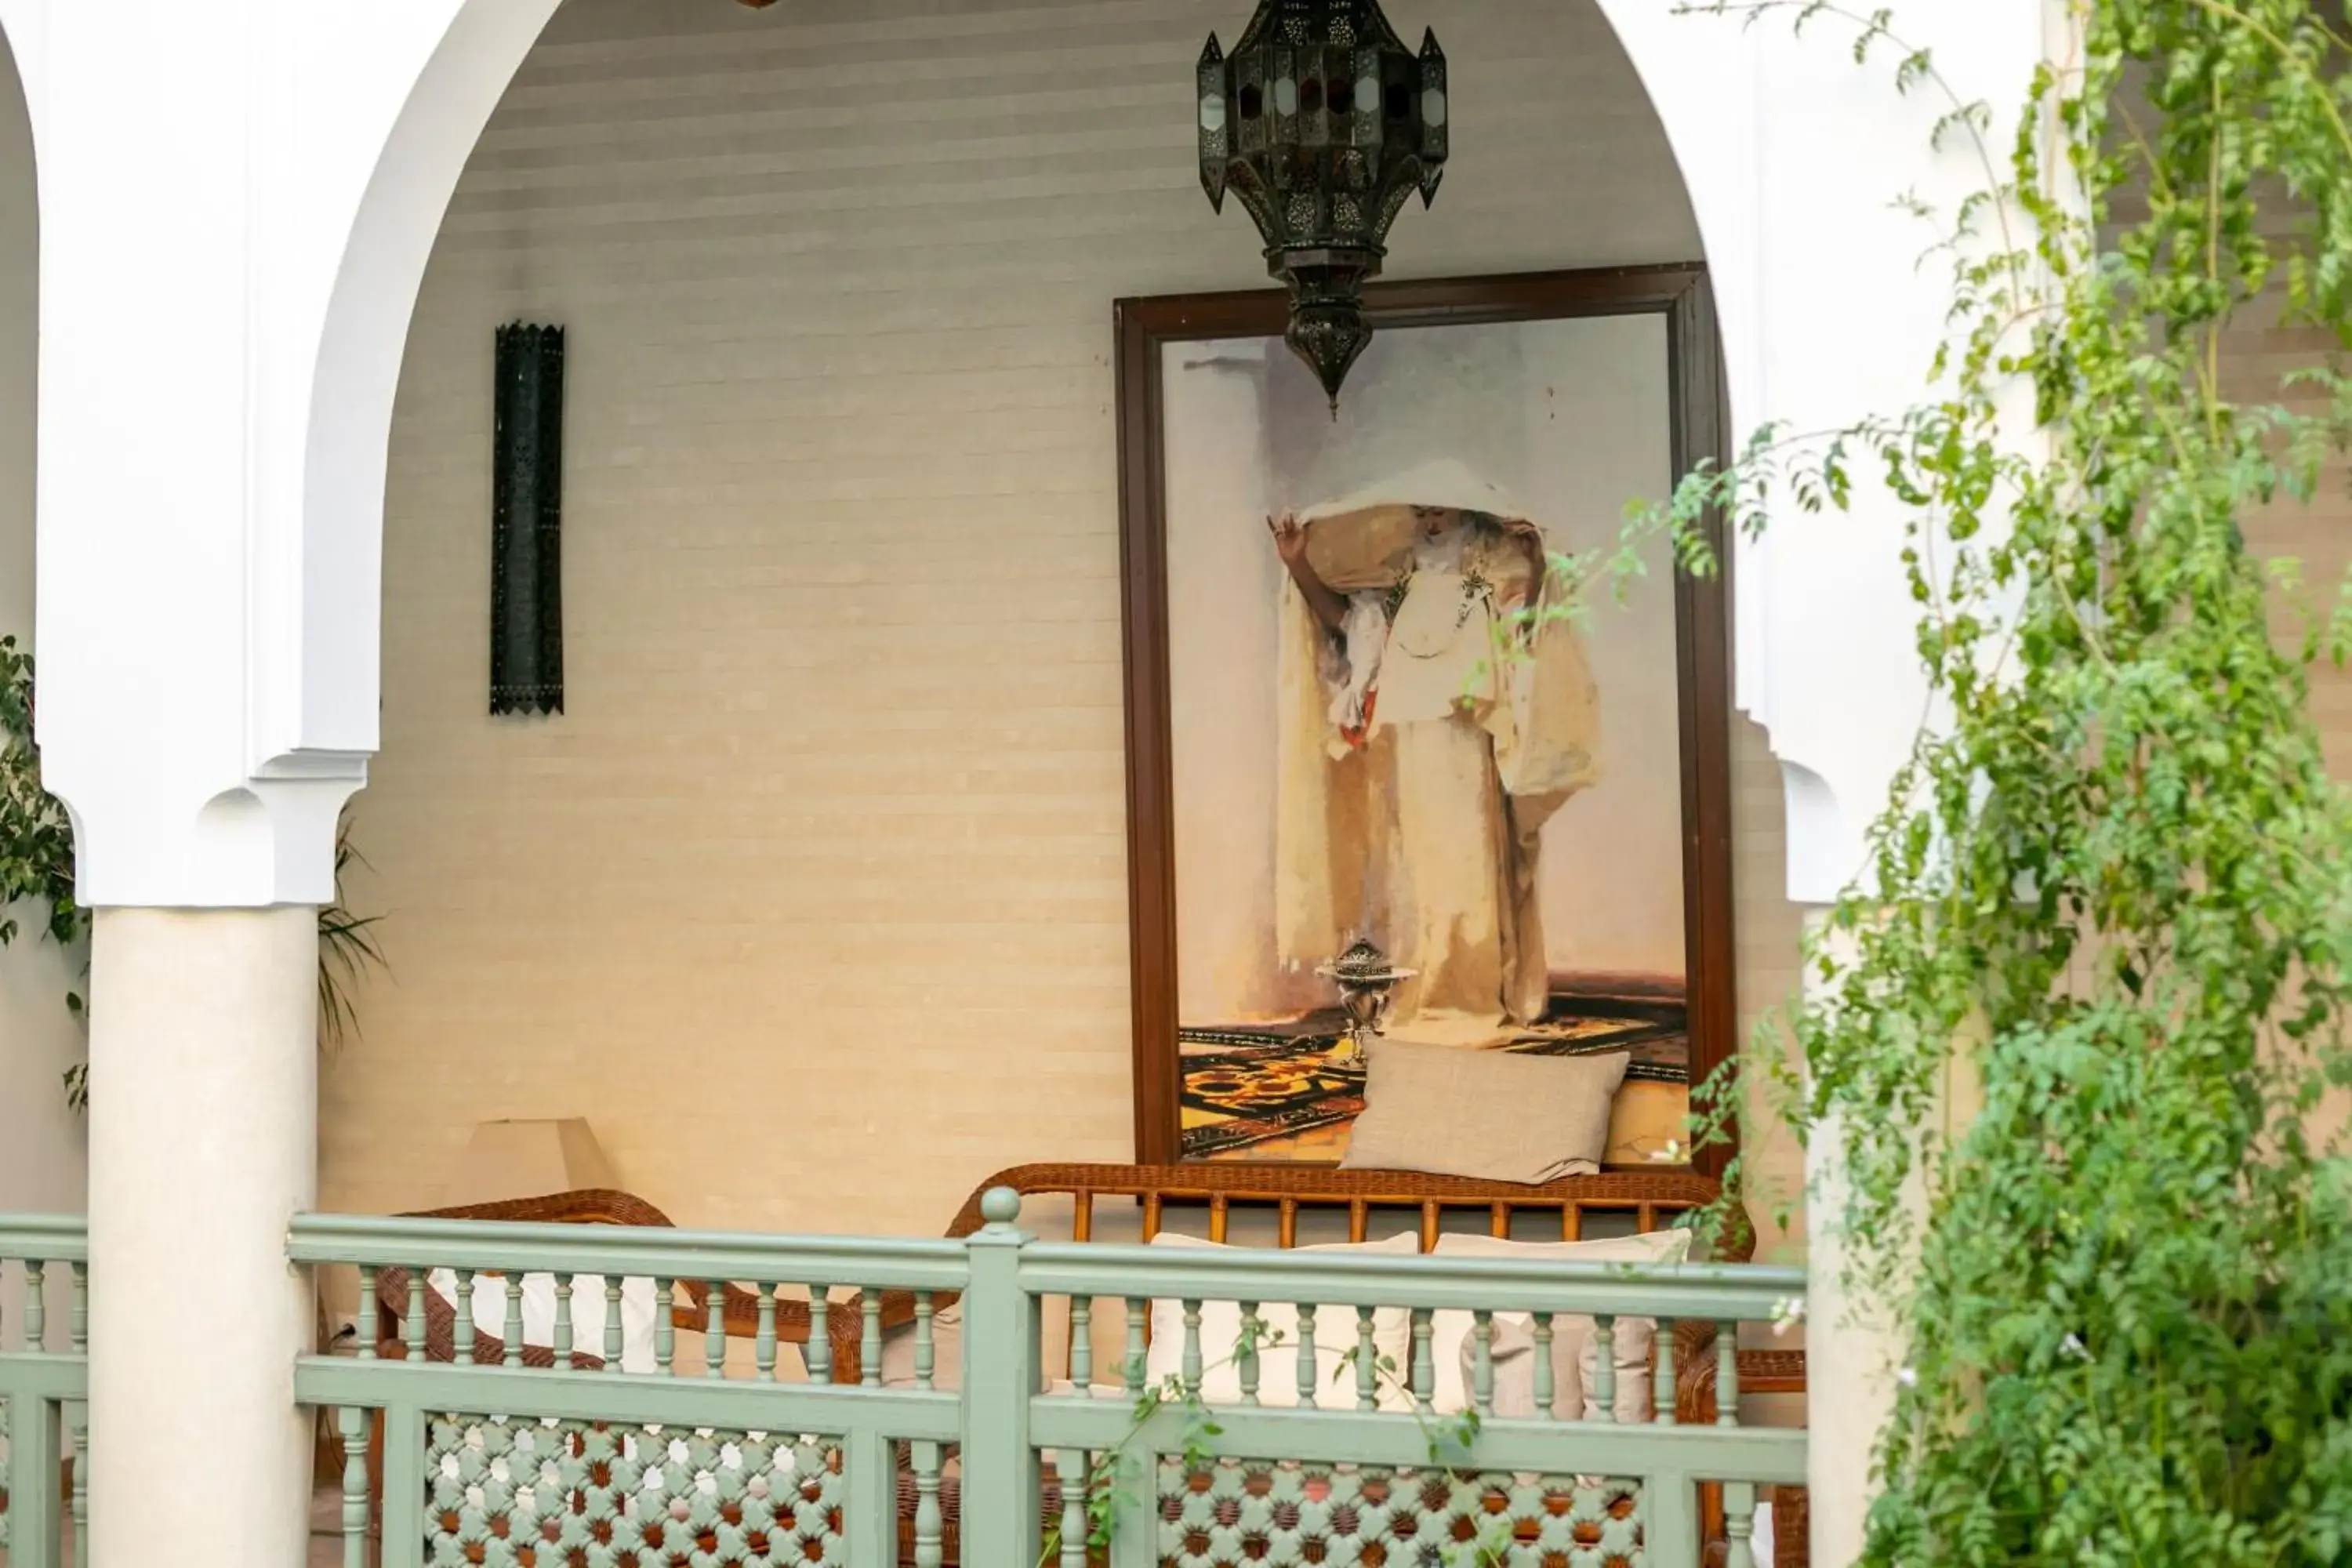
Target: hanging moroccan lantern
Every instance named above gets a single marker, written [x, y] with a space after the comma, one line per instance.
[1321, 123]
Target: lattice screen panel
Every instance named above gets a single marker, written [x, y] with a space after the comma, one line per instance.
[1246, 1513]
[570, 1494]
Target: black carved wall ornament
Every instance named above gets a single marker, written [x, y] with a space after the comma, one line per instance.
[527, 523]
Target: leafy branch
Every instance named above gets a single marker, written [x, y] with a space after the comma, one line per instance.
[2108, 903]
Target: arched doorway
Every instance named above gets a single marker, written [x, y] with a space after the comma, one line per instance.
[841, 611]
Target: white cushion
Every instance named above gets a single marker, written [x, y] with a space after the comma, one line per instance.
[638, 1315]
[1573, 1348]
[1277, 1364]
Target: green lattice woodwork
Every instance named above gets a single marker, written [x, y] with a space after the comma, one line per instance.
[581, 1454]
[1286, 1514]
[605, 1466]
[587, 1492]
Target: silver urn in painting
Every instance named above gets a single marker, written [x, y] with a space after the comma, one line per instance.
[1365, 978]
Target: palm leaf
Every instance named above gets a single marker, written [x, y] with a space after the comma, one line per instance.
[347, 949]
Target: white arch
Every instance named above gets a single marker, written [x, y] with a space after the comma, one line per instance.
[24, 24]
[331, 707]
[1790, 156]
[1795, 158]
[1702, 83]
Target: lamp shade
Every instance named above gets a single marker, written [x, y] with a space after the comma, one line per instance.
[529, 1159]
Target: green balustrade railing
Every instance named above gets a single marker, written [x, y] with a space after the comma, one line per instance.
[44, 1388]
[485, 1457]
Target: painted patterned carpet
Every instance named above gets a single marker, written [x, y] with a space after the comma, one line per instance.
[1259, 1084]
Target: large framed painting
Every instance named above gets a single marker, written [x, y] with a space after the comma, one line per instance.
[1366, 734]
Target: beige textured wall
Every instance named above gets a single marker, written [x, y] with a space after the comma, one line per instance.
[813, 901]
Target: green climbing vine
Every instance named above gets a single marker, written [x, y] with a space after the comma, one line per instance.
[37, 863]
[2076, 1035]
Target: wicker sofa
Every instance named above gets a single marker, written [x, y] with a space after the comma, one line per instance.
[1294, 1201]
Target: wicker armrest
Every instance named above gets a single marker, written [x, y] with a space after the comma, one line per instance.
[1760, 1372]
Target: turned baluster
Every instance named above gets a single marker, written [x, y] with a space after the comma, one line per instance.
[1424, 1364]
[1662, 1391]
[1739, 1523]
[714, 1329]
[1192, 1356]
[1604, 1367]
[930, 1522]
[1082, 1345]
[413, 1327]
[1482, 1363]
[763, 1344]
[1306, 1374]
[1138, 1311]
[1072, 1464]
[1247, 1356]
[513, 1357]
[461, 1347]
[37, 1307]
[1727, 1374]
[563, 1346]
[1547, 1386]
[665, 1325]
[926, 1346]
[820, 1334]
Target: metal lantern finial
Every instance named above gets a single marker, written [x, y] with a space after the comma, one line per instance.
[1321, 123]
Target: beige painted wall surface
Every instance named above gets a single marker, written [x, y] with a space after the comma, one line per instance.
[43, 1152]
[814, 901]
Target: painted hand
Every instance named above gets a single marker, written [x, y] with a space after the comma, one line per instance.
[1289, 537]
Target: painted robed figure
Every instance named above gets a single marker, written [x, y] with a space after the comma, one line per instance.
[1437, 708]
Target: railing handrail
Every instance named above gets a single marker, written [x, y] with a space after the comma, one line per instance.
[1000, 1417]
[1719, 1290]
[44, 1239]
[534, 1247]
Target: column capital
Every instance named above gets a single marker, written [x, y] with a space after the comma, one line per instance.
[161, 839]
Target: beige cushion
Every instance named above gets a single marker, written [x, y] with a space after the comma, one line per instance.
[1493, 1115]
[1277, 1364]
[1574, 1350]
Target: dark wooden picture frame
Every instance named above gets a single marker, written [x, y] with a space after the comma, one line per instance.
[1678, 293]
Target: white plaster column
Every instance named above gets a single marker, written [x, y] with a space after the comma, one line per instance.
[209, 483]
[203, 1116]
[1851, 1361]
[1854, 1350]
